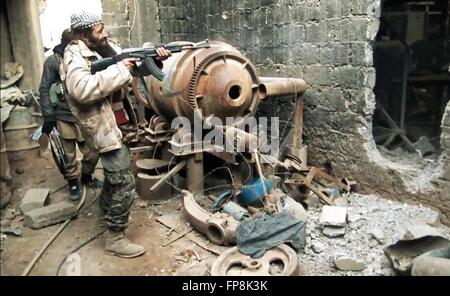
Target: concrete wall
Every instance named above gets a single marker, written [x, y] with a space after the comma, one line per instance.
[131, 27]
[26, 40]
[327, 43]
[6, 47]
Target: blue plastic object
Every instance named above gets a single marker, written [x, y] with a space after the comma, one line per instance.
[253, 192]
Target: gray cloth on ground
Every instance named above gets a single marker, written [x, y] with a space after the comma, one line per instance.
[255, 236]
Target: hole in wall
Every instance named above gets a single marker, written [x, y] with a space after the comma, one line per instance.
[412, 76]
[411, 60]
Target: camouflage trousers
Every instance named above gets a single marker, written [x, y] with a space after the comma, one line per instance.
[71, 137]
[118, 191]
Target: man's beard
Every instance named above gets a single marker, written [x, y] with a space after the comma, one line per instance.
[98, 43]
[103, 47]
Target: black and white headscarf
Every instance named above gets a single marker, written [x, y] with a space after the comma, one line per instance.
[84, 20]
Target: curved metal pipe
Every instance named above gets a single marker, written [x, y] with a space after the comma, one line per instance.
[220, 228]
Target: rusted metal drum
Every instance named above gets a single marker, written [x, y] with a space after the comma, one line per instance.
[146, 181]
[217, 80]
[18, 130]
[150, 172]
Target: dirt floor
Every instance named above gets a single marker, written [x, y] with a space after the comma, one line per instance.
[18, 251]
[189, 255]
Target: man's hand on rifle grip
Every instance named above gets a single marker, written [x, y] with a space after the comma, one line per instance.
[163, 53]
[129, 63]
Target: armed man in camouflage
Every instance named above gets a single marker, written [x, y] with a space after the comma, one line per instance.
[90, 99]
[57, 114]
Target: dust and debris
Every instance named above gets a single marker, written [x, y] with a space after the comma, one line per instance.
[417, 172]
[372, 224]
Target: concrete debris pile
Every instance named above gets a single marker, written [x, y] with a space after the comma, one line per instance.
[371, 224]
[350, 239]
[36, 212]
[245, 217]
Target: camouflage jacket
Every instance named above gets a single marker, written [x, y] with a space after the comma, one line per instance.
[90, 96]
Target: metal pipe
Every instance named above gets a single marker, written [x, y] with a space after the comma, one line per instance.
[172, 172]
[404, 88]
[195, 173]
[297, 137]
[275, 86]
[261, 176]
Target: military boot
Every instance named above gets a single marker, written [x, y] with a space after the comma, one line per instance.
[75, 191]
[117, 244]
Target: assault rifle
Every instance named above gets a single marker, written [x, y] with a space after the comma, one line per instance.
[58, 150]
[146, 54]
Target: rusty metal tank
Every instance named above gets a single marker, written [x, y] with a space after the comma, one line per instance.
[217, 81]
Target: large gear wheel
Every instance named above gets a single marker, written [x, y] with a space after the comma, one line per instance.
[281, 260]
[200, 68]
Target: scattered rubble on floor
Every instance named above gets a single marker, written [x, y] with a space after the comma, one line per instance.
[349, 264]
[367, 216]
[377, 233]
[417, 172]
[417, 230]
[333, 231]
[333, 216]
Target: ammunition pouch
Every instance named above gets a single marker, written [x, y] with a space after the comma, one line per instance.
[56, 94]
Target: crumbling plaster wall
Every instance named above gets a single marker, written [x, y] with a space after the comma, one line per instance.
[329, 44]
[6, 48]
[25, 39]
[131, 27]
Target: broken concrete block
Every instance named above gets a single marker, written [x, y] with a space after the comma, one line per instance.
[295, 209]
[50, 215]
[435, 219]
[377, 233]
[333, 231]
[340, 202]
[333, 216]
[424, 146]
[349, 264]
[34, 198]
[317, 247]
[420, 230]
[430, 266]
[352, 217]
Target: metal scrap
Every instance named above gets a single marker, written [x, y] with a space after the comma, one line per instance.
[318, 182]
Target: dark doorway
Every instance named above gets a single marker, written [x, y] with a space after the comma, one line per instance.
[412, 62]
